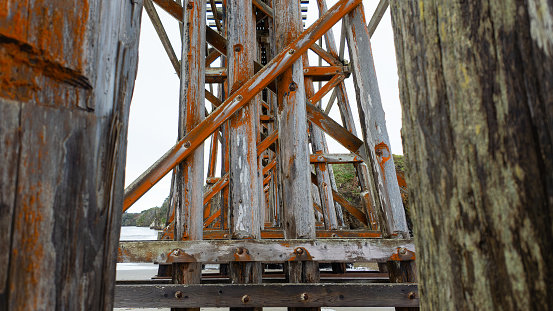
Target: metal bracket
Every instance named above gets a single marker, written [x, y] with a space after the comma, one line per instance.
[178, 255]
[403, 254]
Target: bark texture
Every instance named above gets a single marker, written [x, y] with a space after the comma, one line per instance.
[67, 77]
[476, 83]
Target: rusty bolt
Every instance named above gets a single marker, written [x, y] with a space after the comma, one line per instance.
[402, 251]
[334, 235]
[225, 236]
[237, 48]
[378, 152]
[320, 158]
[190, 5]
[240, 251]
[245, 299]
[299, 250]
[306, 70]
[178, 294]
[176, 252]
[293, 86]
[186, 144]
[238, 98]
[412, 295]
[304, 297]
[240, 201]
[292, 51]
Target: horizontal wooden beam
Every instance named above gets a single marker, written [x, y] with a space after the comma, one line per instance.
[222, 251]
[266, 295]
[236, 101]
[336, 158]
[317, 73]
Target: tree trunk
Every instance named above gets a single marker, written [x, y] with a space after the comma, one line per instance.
[476, 81]
[67, 77]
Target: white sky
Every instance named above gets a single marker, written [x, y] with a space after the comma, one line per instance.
[154, 107]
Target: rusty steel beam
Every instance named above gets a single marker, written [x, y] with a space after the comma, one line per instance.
[236, 101]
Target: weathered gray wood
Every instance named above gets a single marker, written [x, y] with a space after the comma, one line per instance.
[244, 191]
[267, 295]
[316, 137]
[373, 123]
[158, 26]
[475, 88]
[348, 121]
[244, 184]
[190, 173]
[66, 81]
[335, 158]
[266, 250]
[403, 272]
[377, 16]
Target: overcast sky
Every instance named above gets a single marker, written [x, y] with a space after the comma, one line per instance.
[154, 107]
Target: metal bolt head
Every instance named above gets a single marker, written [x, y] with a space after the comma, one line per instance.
[238, 98]
[190, 5]
[412, 295]
[245, 299]
[186, 144]
[306, 70]
[237, 48]
[402, 251]
[240, 251]
[292, 51]
[178, 294]
[299, 250]
[304, 297]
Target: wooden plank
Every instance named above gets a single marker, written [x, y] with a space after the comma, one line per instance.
[267, 295]
[331, 59]
[377, 16]
[373, 122]
[64, 108]
[235, 101]
[317, 73]
[335, 158]
[268, 141]
[266, 250]
[263, 7]
[158, 26]
[335, 130]
[322, 178]
[348, 122]
[244, 187]
[189, 173]
[326, 88]
[220, 184]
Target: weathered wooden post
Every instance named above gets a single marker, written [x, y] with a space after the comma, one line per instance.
[475, 87]
[189, 209]
[67, 77]
[244, 185]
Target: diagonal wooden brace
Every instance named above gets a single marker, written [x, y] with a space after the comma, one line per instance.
[237, 100]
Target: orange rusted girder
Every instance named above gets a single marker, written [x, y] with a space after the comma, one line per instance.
[238, 99]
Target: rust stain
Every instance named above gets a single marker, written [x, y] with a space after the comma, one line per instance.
[41, 48]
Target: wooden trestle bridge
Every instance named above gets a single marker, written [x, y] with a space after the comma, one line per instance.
[277, 200]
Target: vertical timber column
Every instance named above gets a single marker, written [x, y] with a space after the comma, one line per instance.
[324, 184]
[244, 184]
[299, 218]
[373, 123]
[65, 93]
[189, 210]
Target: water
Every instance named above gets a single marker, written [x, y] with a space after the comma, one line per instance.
[136, 271]
[129, 233]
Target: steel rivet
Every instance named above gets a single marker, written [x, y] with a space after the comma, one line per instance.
[245, 299]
